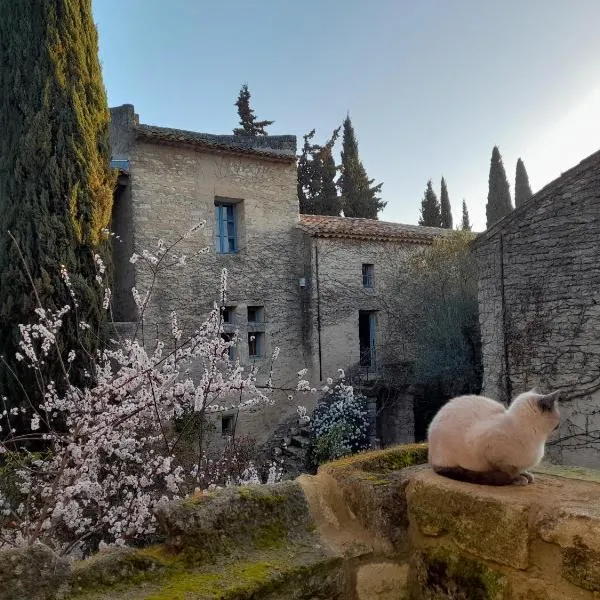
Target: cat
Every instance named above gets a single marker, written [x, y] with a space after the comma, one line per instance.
[476, 439]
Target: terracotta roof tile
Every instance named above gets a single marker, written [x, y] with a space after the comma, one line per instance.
[367, 229]
[279, 148]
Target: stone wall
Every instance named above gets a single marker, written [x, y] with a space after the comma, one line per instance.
[539, 305]
[376, 526]
[173, 187]
[339, 295]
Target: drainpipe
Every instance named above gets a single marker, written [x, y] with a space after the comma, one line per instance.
[318, 308]
[507, 379]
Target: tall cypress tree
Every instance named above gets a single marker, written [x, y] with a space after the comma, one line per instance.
[317, 190]
[446, 211]
[359, 195]
[499, 203]
[250, 127]
[465, 224]
[328, 201]
[431, 215]
[522, 187]
[306, 176]
[55, 182]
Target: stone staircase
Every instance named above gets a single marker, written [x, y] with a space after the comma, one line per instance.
[288, 446]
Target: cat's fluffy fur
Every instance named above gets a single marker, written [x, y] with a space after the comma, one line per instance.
[476, 439]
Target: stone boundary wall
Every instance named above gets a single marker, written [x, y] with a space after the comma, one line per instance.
[376, 526]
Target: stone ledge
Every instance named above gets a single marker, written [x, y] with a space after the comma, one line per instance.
[369, 527]
[472, 517]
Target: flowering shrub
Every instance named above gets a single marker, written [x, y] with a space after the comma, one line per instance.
[113, 451]
[340, 424]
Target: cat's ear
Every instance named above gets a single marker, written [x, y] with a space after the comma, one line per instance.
[537, 390]
[548, 401]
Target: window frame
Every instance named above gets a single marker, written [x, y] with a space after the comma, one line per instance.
[226, 241]
[227, 431]
[368, 275]
[258, 342]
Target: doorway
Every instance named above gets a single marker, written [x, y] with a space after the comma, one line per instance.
[367, 335]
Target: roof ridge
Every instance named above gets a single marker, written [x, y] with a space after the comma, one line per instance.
[563, 179]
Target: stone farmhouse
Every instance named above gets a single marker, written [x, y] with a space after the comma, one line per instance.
[539, 305]
[319, 288]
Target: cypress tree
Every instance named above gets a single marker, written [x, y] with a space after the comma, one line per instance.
[522, 187]
[446, 211]
[250, 127]
[499, 203]
[317, 190]
[328, 200]
[431, 215]
[306, 178]
[465, 224]
[359, 195]
[55, 182]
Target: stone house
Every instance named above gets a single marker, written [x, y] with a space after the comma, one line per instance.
[319, 288]
[539, 304]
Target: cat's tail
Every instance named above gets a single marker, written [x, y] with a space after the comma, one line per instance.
[480, 477]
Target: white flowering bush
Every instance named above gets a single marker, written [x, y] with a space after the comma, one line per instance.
[339, 424]
[112, 452]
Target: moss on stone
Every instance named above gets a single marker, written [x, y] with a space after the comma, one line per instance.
[472, 517]
[292, 568]
[440, 574]
[234, 519]
[382, 461]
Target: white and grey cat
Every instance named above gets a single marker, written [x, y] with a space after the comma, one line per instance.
[476, 439]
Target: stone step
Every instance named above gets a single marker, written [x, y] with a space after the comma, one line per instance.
[294, 451]
[300, 442]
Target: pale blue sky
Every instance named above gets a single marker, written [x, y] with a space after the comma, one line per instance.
[431, 85]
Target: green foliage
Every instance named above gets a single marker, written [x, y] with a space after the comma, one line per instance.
[445, 210]
[439, 315]
[359, 195]
[317, 190]
[250, 127]
[499, 203]
[55, 182]
[522, 187]
[431, 215]
[465, 224]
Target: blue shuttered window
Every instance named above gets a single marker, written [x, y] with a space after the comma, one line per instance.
[225, 228]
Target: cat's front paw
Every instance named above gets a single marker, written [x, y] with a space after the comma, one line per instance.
[529, 476]
[520, 480]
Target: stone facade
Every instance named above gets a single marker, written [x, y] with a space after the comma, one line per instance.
[295, 282]
[539, 305]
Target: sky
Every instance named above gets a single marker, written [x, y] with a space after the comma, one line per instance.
[430, 85]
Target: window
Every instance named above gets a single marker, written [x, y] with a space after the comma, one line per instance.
[229, 338]
[256, 314]
[367, 336]
[227, 313]
[227, 425]
[225, 228]
[256, 340]
[368, 275]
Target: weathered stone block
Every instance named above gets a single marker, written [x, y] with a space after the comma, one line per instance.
[32, 573]
[440, 574]
[229, 520]
[382, 581]
[472, 517]
[373, 486]
[576, 529]
[581, 565]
